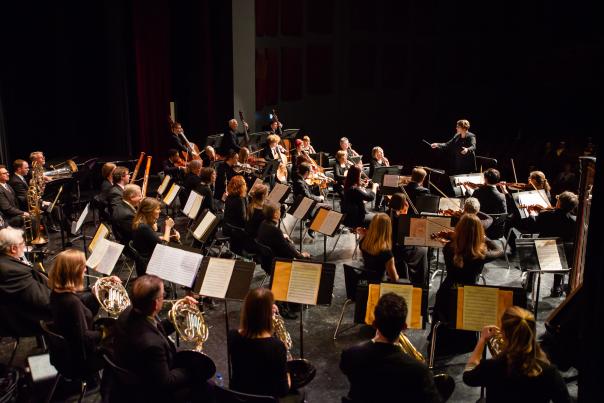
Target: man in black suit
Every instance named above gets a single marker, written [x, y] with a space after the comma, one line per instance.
[301, 189]
[416, 186]
[18, 182]
[224, 173]
[229, 140]
[176, 140]
[462, 148]
[492, 202]
[24, 292]
[9, 205]
[121, 177]
[173, 166]
[123, 213]
[270, 235]
[143, 347]
[379, 370]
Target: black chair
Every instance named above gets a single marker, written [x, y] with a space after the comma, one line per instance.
[265, 257]
[125, 381]
[140, 262]
[352, 276]
[224, 395]
[497, 229]
[240, 242]
[57, 345]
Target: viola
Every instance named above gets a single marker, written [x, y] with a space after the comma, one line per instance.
[535, 208]
[444, 236]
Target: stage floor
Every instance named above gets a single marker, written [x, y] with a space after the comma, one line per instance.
[329, 384]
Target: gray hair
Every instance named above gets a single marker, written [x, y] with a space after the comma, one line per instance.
[471, 205]
[131, 190]
[10, 237]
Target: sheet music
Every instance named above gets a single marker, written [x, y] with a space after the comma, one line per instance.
[76, 225]
[203, 225]
[217, 278]
[277, 193]
[175, 265]
[433, 225]
[330, 223]
[390, 181]
[164, 184]
[104, 256]
[403, 290]
[479, 307]
[417, 232]
[101, 232]
[449, 203]
[193, 204]
[303, 207]
[532, 197]
[304, 282]
[171, 194]
[547, 254]
[472, 178]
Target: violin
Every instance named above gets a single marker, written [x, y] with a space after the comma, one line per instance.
[451, 213]
[535, 208]
[444, 236]
[518, 186]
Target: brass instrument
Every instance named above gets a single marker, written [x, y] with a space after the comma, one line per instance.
[137, 167]
[496, 343]
[409, 349]
[62, 172]
[301, 371]
[282, 334]
[34, 205]
[112, 296]
[189, 323]
[146, 178]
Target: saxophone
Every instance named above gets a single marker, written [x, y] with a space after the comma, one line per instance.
[34, 202]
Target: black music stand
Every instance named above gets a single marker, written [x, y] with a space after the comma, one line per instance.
[290, 133]
[322, 213]
[214, 140]
[301, 212]
[257, 139]
[529, 197]
[324, 295]
[209, 221]
[270, 168]
[427, 203]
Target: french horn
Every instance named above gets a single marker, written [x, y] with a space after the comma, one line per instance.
[112, 296]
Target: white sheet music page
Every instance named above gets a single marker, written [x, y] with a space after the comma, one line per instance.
[218, 277]
[164, 184]
[449, 203]
[257, 183]
[403, 290]
[547, 253]
[110, 258]
[331, 222]
[76, 225]
[532, 197]
[277, 193]
[303, 207]
[171, 194]
[97, 253]
[175, 265]
[203, 225]
[304, 282]
[101, 232]
[390, 181]
[192, 206]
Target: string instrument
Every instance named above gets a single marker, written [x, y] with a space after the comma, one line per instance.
[137, 167]
[192, 152]
[444, 236]
[353, 152]
[451, 213]
[318, 176]
[246, 136]
[516, 185]
[146, 177]
[535, 208]
[180, 163]
[279, 131]
[282, 170]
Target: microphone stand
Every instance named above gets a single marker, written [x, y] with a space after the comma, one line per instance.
[436, 171]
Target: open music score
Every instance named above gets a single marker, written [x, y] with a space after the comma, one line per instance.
[302, 209]
[257, 183]
[76, 225]
[390, 181]
[449, 204]
[176, 265]
[278, 194]
[457, 181]
[421, 230]
[164, 184]
[104, 256]
[412, 296]
[326, 221]
[171, 195]
[193, 204]
[528, 198]
[548, 255]
[207, 223]
[296, 281]
[217, 277]
[101, 232]
[479, 306]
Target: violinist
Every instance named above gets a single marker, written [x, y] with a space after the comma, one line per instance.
[229, 140]
[174, 165]
[340, 170]
[492, 201]
[301, 188]
[346, 146]
[539, 181]
[355, 196]
[462, 147]
[415, 187]
[208, 156]
[298, 156]
[307, 146]
[224, 173]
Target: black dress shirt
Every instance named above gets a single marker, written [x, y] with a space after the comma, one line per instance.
[353, 205]
[270, 235]
[462, 164]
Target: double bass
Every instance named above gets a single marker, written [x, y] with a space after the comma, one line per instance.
[192, 152]
[246, 136]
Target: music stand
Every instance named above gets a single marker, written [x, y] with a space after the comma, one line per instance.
[214, 140]
[290, 281]
[356, 159]
[426, 203]
[177, 264]
[204, 226]
[290, 133]
[256, 139]
[301, 210]
[279, 193]
[530, 197]
[105, 256]
[270, 168]
[326, 222]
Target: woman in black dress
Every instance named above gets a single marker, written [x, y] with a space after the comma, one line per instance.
[376, 247]
[355, 196]
[340, 170]
[254, 210]
[73, 310]
[235, 205]
[521, 372]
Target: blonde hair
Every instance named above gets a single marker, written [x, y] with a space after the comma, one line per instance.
[258, 196]
[379, 235]
[237, 186]
[67, 271]
[375, 150]
[540, 180]
[341, 154]
[521, 349]
[273, 138]
[144, 214]
[468, 240]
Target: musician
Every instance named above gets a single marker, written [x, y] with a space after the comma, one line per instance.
[340, 170]
[272, 151]
[270, 235]
[123, 213]
[377, 160]
[121, 177]
[538, 181]
[522, 371]
[254, 209]
[275, 127]
[177, 141]
[345, 146]
[235, 205]
[243, 155]
[378, 370]
[307, 146]
[471, 205]
[355, 196]
[191, 180]
[107, 174]
[224, 173]
[229, 140]
[415, 258]
[174, 165]
[9, 205]
[208, 156]
[18, 182]
[24, 292]
[145, 231]
[376, 246]
[462, 147]
[298, 156]
[73, 310]
[301, 189]
[415, 187]
[258, 358]
[492, 201]
[205, 188]
[144, 348]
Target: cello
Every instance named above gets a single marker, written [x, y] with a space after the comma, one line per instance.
[246, 136]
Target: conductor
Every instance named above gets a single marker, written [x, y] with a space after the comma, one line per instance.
[462, 147]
